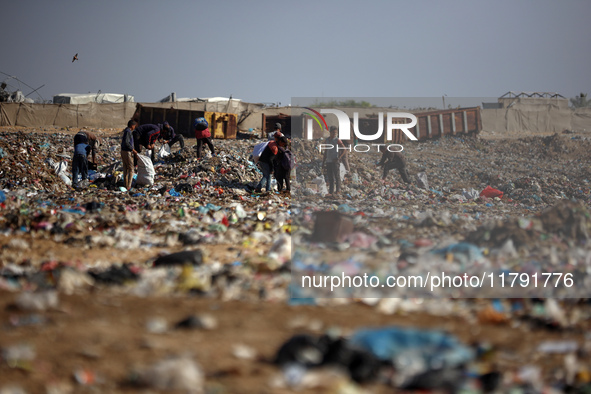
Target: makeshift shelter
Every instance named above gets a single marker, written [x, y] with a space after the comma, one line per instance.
[73, 98]
[66, 115]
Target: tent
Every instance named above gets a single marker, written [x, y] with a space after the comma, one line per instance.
[73, 98]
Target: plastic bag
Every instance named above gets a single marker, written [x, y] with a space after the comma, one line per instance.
[164, 151]
[321, 184]
[200, 124]
[258, 151]
[342, 171]
[471, 194]
[60, 167]
[490, 192]
[422, 181]
[430, 349]
[61, 170]
[145, 171]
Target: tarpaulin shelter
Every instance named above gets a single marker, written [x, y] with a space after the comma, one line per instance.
[74, 98]
[66, 115]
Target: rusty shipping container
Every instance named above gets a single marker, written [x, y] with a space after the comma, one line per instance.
[430, 124]
[222, 125]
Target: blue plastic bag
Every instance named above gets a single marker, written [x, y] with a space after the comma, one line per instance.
[432, 349]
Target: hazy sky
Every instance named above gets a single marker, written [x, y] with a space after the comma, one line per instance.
[270, 51]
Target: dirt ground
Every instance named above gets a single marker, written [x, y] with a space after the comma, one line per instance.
[106, 335]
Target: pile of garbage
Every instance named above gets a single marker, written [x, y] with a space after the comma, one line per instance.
[190, 203]
[514, 210]
[473, 214]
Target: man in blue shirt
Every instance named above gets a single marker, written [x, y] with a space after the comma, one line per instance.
[80, 163]
[87, 137]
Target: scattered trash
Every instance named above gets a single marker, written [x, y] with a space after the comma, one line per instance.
[42, 301]
[490, 192]
[177, 373]
[414, 350]
[164, 151]
[422, 181]
[157, 325]
[204, 322]
[244, 352]
[12, 389]
[190, 257]
[19, 355]
[85, 376]
[558, 347]
[533, 220]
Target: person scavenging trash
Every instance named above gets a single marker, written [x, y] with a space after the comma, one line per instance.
[80, 163]
[266, 164]
[331, 159]
[202, 135]
[91, 139]
[128, 153]
[276, 136]
[391, 160]
[276, 133]
[168, 136]
[283, 165]
[146, 136]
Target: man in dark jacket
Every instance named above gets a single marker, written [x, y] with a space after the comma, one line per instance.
[168, 136]
[391, 160]
[282, 165]
[146, 136]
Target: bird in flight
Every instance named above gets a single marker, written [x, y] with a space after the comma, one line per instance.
[75, 58]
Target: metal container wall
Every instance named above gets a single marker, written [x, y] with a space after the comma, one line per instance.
[431, 124]
[221, 125]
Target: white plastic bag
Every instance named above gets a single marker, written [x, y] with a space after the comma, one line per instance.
[65, 178]
[60, 167]
[145, 171]
[342, 171]
[61, 170]
[321, 183]
[422, 180]
[258, 151]
[164, 151]
[471, 194]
